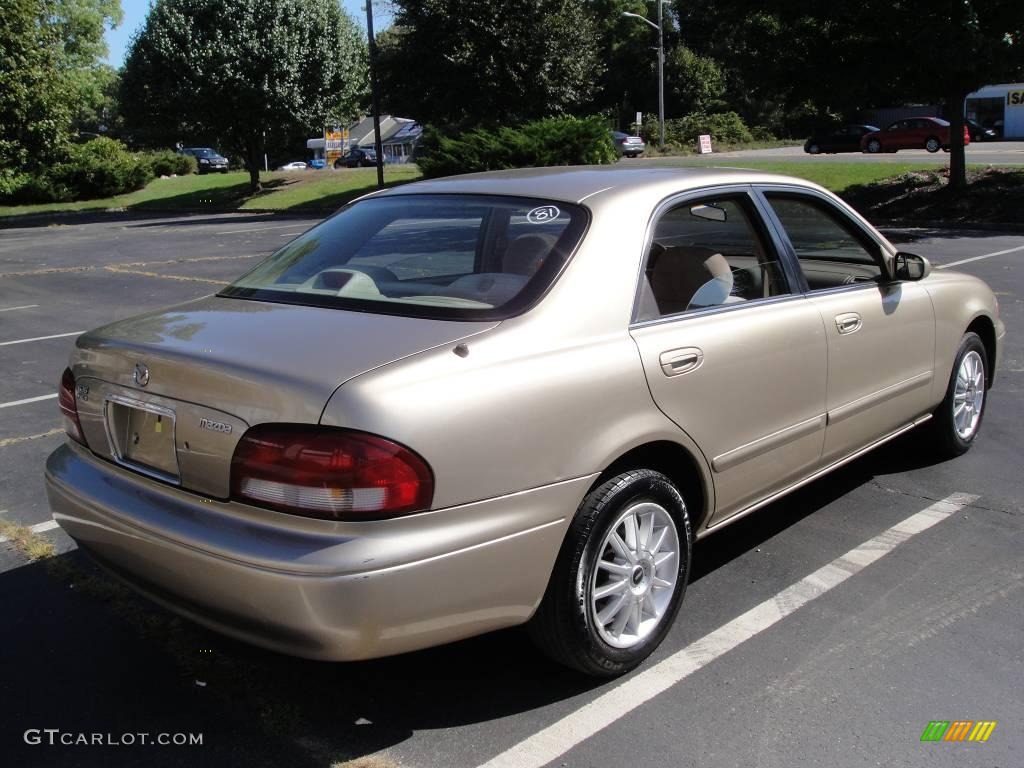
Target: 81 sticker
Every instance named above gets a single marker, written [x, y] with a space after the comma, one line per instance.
[543, 214]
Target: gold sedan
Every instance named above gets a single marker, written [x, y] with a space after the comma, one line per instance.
[507, 398]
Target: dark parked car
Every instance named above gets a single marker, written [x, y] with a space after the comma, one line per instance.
[838, 138]
[979, 132]
[630, 146]
[931, 133]
[358, 157]
[207, 160]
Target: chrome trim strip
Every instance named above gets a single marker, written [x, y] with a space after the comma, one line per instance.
[812, 477]
[730, 459]
[875, 398]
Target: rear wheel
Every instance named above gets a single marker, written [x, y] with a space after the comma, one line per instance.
[813, 149]
[619, 578]
[874, 146]
[956, 422]
[932, 144]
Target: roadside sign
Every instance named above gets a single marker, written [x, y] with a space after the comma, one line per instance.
[639, 120]
[334, 144]
[705, 144]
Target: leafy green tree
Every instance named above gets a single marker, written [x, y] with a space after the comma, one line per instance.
[693, 83]
[789, 62]
[476, 62]
[32, 114]
[236, 70]
[50, 71]
[950, 49]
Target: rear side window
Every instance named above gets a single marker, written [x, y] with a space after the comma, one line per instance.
[706, 253]
[468, 257]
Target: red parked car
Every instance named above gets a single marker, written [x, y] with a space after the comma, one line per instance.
[931, 133]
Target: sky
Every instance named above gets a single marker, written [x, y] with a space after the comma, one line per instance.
[135, 14]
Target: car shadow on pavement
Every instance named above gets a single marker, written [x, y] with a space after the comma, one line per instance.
[85, 655]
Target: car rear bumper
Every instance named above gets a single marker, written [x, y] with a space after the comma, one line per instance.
[336, 591]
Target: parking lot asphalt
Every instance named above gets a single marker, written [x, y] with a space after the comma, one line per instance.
[930, 629]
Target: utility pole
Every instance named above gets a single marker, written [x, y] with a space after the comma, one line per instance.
[661, 68]
[374, 95]
[661, 80]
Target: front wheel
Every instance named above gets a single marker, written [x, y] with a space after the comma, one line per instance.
[619, 578]
[813, 149]
[932, 144]
[874, 146]
[955, 423]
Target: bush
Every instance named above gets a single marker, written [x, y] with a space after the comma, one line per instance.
[552, 141]
[166, 162]
[99, 168]
[684, 131]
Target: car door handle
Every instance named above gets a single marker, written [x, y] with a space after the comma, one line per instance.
[848, 322]
[677, 361]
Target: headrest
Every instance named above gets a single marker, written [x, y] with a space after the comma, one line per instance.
[526, 253]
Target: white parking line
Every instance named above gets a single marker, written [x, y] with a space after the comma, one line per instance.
[557, 739]
[263, 229]
[27, 400]
[26, 306]
[49, 525]
[979, 258]
[40, 338]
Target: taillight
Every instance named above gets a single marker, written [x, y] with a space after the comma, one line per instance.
[69, 406]
[330, 473]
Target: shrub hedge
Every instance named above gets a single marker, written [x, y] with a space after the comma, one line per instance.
[552, 141]
[684, 131]
[166, 162]
[99, 168]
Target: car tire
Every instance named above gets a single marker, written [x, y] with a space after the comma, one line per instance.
[932, 144]
[874, 146]
[813, 149]
[622, 519]
[955, 423]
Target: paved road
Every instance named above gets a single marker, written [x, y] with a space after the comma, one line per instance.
[987, 153]
[931, 630]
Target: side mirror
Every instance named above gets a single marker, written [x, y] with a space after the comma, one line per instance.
[910, 266]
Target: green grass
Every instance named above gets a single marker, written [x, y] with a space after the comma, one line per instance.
[327, 190]
[299, 190]
[834, 175]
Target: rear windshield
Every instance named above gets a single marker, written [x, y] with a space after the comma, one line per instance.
[458, 257]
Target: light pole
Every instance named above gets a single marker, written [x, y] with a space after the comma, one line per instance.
[661, 69]
[374, 97]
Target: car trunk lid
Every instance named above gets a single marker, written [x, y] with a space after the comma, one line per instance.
[170, 393]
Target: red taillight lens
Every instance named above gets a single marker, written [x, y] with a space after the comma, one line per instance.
[69, 406]
[326, 472]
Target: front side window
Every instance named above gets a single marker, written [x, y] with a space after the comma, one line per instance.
[458, 257]
[831, 251]
[708, 253]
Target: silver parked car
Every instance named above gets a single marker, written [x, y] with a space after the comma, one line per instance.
[506, 398]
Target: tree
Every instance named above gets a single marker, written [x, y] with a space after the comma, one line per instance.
[475, 62]
[693, 83]
[50, 71]
[236, 70]
[959, 46]
[811, 59]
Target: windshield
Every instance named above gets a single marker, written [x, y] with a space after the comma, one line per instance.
[457, 257]
[204, 152]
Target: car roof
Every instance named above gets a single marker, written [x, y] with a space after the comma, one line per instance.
[578, 183]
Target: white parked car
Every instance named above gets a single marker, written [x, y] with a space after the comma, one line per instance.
[298, 165]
